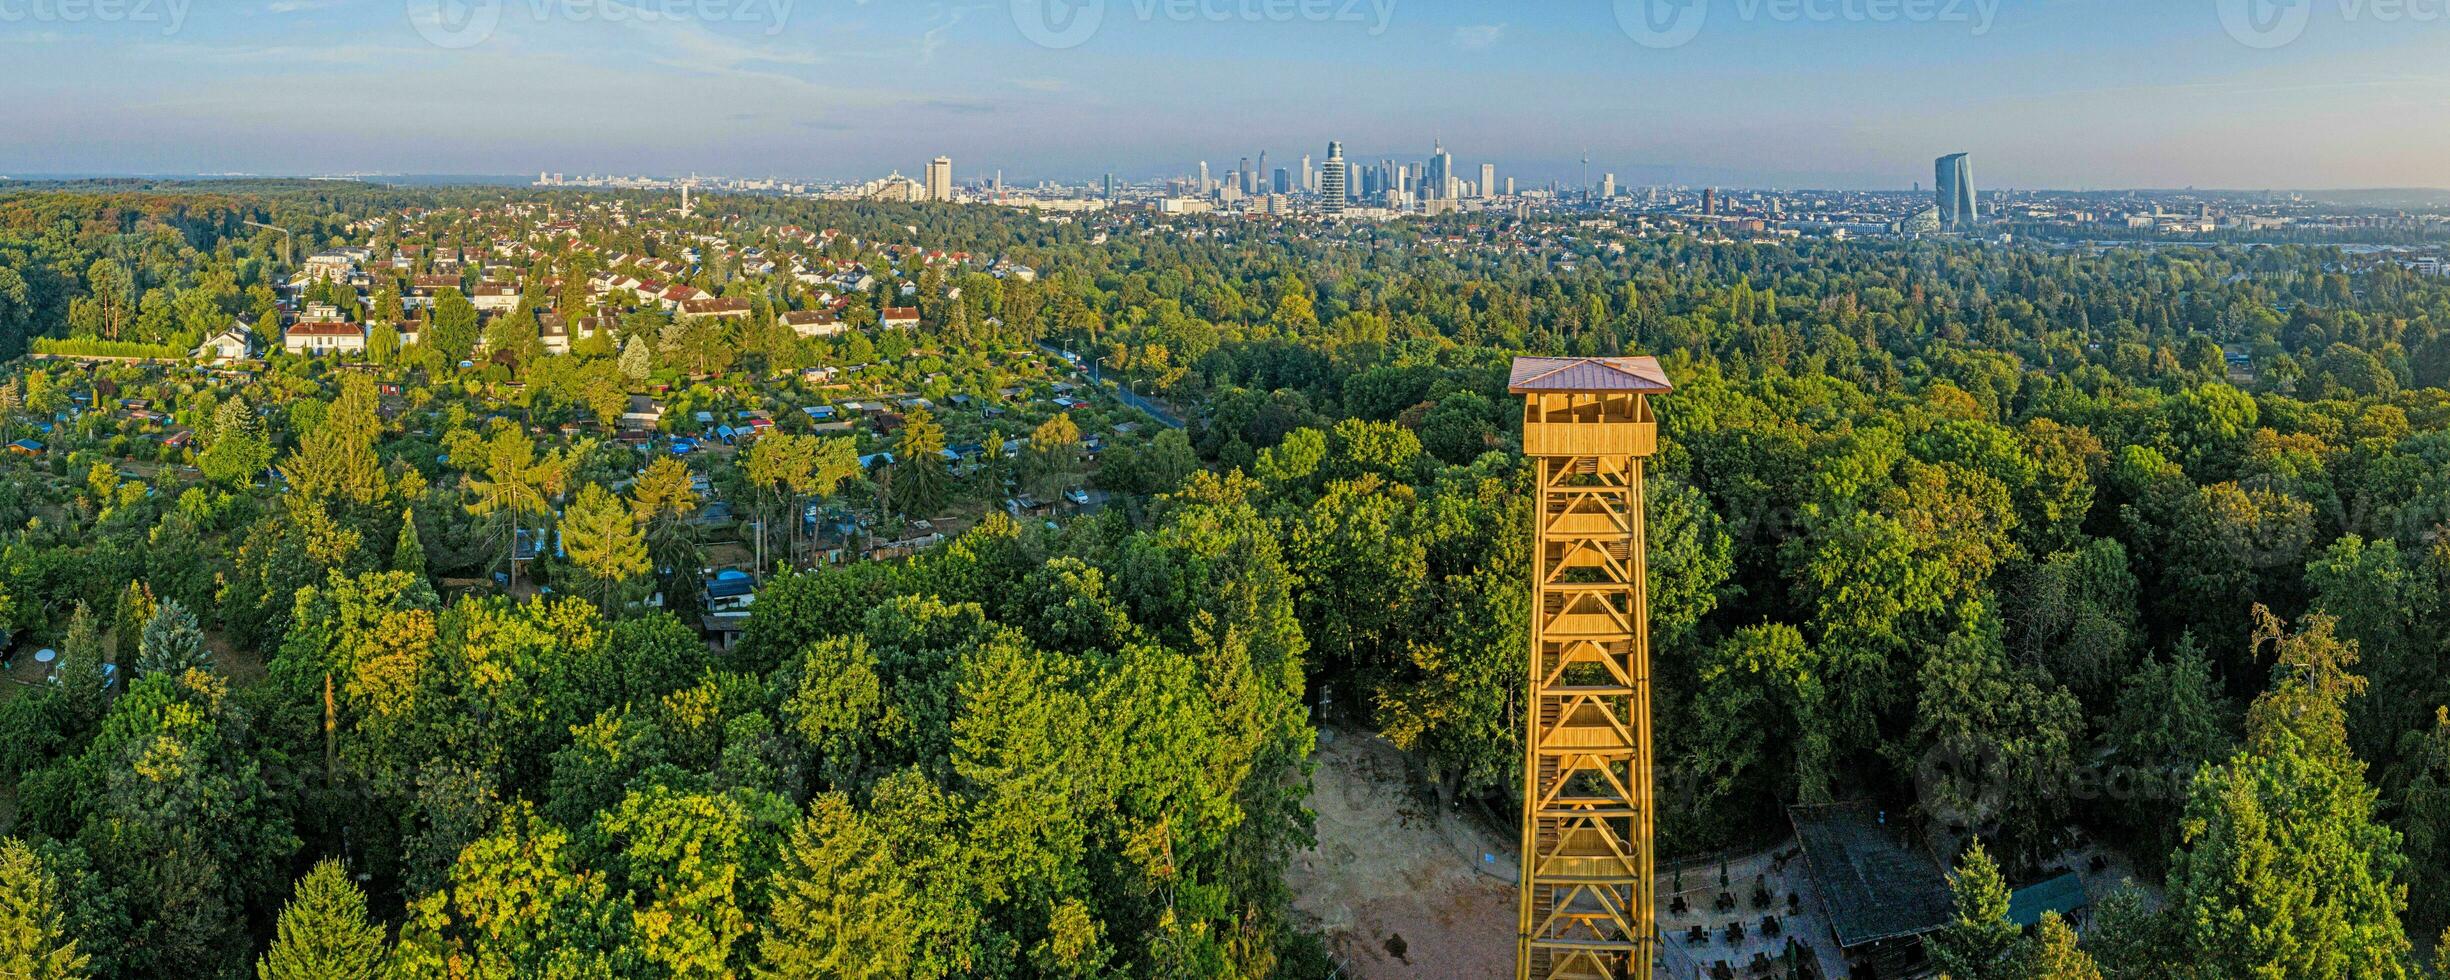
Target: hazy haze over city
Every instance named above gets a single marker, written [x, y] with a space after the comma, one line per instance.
[1827, 93]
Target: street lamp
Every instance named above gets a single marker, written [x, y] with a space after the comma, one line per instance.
[289, 242]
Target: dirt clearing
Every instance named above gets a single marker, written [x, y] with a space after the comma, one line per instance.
[1398, 889]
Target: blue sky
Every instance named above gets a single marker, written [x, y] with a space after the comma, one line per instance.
[1796, 93]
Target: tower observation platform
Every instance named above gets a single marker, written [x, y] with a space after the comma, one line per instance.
[1587, 906]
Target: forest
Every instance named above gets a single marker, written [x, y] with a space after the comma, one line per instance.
[2145, 544]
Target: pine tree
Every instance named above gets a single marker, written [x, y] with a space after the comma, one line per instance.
[324, 933]
[337, 459]
[1977, 944]
[237, 453]
[2284, 871]
[408, 553]
[2052, 954]
[637, 359]
[172, 642]
[80, 671]
[605, 544]
[135, 610]
[34, 944]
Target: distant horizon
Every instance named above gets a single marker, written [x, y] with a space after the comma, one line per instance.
[527, 180]
[2043, 93]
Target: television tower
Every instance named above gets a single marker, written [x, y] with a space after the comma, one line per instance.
[1588, 904]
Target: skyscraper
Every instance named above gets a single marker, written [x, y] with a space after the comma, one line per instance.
[1332, 178]
[940, 179]
[1958, 209]
[1607, 187]
[1488, 180]
[1259, 177]
[1438, 179]
[1243, 177]
[1284, 181]
[1205, 188]
[1310, 175]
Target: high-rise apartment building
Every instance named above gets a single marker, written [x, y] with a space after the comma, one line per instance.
[1332, 180]
[940, 179]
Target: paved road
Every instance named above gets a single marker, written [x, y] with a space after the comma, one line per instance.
[1162, 416]
[1126, 396]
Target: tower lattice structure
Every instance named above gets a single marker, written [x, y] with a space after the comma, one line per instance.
[1588, 907]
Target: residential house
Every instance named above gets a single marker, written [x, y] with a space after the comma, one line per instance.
[422, 290]
[643, 413]
[235, 342]
[335, 266]
[814, 323]
[308, 337]
[495, 297]
[721, 309]
[899, 317]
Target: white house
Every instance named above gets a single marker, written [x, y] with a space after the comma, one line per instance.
[495, 297]
[322, 338]
[235, 342]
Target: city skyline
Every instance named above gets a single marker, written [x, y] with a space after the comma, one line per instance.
[2074, 94]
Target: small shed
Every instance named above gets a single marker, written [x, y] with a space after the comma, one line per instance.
[2063, 895]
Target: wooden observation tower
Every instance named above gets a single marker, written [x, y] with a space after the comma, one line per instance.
[1588, 906]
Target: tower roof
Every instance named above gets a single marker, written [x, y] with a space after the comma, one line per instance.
[1562, 374]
